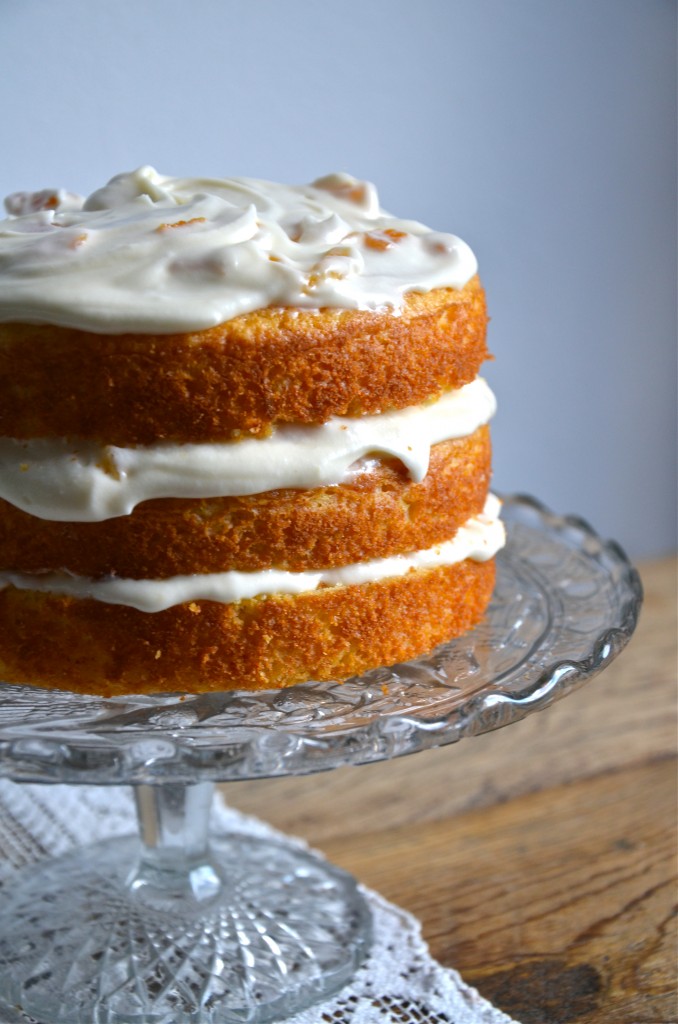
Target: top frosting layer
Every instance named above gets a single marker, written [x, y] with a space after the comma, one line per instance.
[154, 254]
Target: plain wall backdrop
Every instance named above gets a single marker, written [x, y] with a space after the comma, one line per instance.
[541, 131]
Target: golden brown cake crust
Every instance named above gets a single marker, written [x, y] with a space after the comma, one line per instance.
[379, 513]
[261, 368]
[267, 642]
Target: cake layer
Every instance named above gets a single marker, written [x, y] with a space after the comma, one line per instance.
[267, 367]
[379, 512]
[479, 538]
[261, 643]
[85, 482]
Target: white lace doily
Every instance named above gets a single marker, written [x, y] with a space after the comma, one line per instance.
[398, 984]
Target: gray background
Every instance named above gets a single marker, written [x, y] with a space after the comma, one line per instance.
[541, 131]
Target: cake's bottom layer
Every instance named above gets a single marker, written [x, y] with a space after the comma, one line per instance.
[262, 643]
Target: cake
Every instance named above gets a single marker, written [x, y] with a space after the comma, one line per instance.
[243, 439]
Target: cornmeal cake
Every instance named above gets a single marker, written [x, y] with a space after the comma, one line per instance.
[243, 439]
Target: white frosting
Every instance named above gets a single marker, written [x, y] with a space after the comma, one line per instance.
[479, 539]
[90, 483]
[156, 254]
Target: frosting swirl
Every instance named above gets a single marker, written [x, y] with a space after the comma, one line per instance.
[155, 254]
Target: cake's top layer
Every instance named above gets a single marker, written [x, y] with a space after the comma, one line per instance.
[153, 254]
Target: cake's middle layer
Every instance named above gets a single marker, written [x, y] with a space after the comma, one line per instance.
[377, 513]
[84, 482]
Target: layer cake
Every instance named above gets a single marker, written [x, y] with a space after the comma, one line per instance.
[243, 440]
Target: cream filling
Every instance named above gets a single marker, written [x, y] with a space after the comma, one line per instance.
[479, 539]
[156, 254]
[90, 483]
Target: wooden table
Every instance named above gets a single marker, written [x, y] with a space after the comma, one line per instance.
[541, 859]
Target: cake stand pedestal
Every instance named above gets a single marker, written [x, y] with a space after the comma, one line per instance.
[174, 927]
[179, 929]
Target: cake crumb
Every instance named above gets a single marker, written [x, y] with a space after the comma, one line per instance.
[195, 608]
[158, 654]
[382, 240]
[180, 224]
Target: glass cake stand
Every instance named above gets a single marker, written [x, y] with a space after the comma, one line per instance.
[174, 928]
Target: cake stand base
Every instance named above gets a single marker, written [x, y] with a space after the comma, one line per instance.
[255, 933]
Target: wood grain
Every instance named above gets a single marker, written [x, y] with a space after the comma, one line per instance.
[559, 906]
[541, 859]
